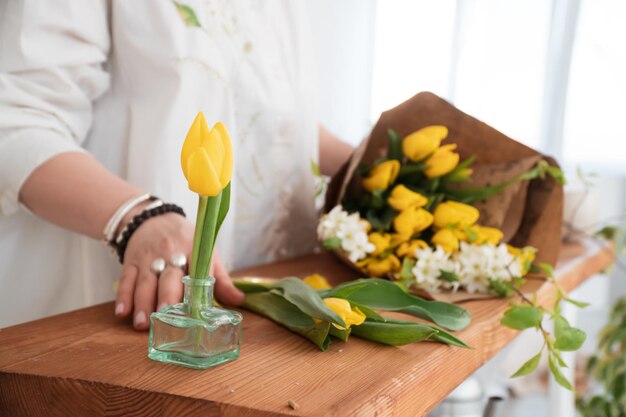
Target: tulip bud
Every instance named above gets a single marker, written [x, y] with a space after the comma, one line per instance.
[382, 175]
[402, 198]
[489, 235]
[350, 316]
[446, 240]
[207, 158]
[453, 213]
[408, 248]
[412, 221]
[442, 161]
[418, 145]
[381, 241]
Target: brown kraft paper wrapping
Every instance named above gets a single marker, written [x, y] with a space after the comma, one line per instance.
[528, 213]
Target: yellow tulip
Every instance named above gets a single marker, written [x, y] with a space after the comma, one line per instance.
[412, 221]
[351, 316]
[381, 241]
[317, 281]
[402, 198]
[418, 145]
[382, 175]
[399, 238]
[376, 267]
[452, 213]
[442, 161]
[446, 240]
[485, 234]
[207, 157]
[408, 248]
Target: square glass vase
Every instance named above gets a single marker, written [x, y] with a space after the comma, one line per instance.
[194, 333]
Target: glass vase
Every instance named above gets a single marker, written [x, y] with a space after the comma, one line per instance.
[194, 333]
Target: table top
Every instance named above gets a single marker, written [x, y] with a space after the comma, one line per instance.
[87, 362]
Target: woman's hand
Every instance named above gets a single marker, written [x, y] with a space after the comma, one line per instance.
[141, 290]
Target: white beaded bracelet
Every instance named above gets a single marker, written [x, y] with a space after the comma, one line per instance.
[116, 218]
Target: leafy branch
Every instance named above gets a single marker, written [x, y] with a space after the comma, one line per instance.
[529, 314]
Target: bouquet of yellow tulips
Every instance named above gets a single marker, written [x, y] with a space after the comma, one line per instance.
[449, 206]
[440, 208]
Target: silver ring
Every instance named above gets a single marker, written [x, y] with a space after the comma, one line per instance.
[157, 266]
[178, 260]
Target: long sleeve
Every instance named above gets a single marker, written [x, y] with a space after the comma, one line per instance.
[52, 57]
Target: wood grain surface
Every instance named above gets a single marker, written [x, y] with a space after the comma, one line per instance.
[88, 363]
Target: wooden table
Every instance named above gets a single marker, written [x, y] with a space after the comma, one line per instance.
[88, 363]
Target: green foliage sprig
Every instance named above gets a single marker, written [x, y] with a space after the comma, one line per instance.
[529, 314]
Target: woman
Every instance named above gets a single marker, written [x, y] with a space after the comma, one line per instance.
[96, 97]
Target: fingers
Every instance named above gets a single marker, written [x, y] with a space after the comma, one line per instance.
[170, 287]
[145, 298]
[225, 290]
[126, 291]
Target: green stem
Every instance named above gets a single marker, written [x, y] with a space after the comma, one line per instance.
[205, 248]
[197, 236]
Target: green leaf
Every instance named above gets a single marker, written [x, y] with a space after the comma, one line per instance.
[207, 240]
[288, 315]
[503, 289]
[306, 299]
[369, 313]
[411, 169]
[557, 174]
[607, 232]
[546, 268]
[395, 145]
[401, 332]
[385, 295]
[580, 304]
[187, 14]
[393, 333]
[529, 366]
[558, 375]
[332, 243]
[471, 195]
[522, 317]
[448, 276]
[567, 338]
[406, 273]
[454, 175]
[248, 287]
[224, 206]
[341, 334]
[618, 385]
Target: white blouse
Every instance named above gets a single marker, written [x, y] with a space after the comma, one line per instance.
[123, 80]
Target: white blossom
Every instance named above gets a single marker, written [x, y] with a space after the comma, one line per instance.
[350, 229]
[428, 266]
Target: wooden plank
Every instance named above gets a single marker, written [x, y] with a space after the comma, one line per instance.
[97, 365]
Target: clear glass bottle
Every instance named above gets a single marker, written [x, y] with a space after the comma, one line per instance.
[194, 333]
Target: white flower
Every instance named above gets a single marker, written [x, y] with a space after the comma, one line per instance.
[428, 266]
[330, 223]
[350, 229]
[473, 267]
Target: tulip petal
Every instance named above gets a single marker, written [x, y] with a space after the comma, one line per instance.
[201, 175]
[193, 140]
[227, 166]
[215, 150]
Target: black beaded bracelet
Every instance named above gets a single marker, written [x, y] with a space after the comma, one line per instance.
[138, 220]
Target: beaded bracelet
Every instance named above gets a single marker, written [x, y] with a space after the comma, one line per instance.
[138, 220]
